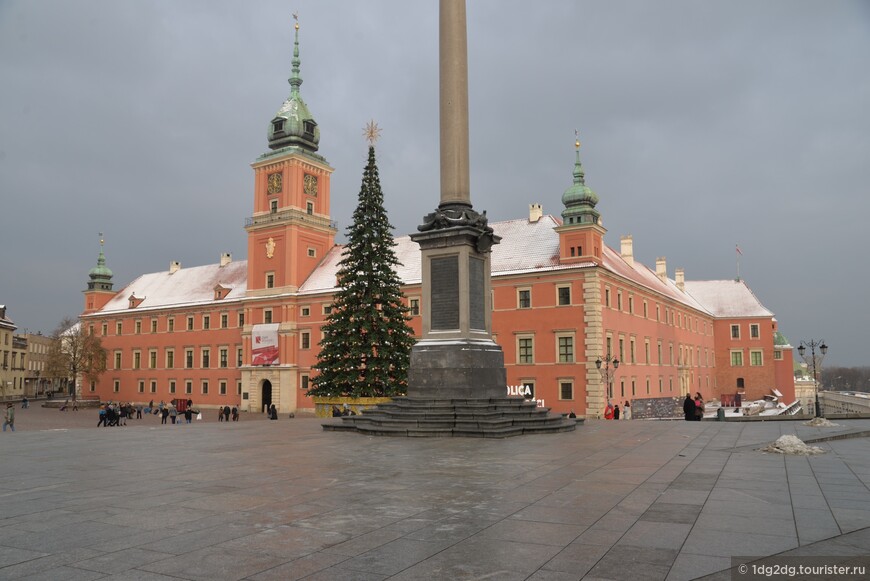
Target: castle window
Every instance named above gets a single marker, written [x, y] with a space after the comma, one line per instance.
[308, 127]
[273, 206]
[267, 316]
[524, 298]
[415, 307]
[754, 331]
[566, 390]
[309, 208]
[277, 125]
[564, 295]
[566, 349]
[735, 331]
[526, 350]
[270, 280]
[312, 253]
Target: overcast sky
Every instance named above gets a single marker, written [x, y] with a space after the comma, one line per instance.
[704, 125]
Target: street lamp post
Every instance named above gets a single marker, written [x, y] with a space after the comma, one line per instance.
[607, 373]
[814, 360]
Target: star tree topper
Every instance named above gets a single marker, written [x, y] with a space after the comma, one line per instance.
[372, 132]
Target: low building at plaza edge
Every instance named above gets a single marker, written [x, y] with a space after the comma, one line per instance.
[246, 332]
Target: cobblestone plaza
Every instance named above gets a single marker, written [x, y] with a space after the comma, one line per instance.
[284, 499]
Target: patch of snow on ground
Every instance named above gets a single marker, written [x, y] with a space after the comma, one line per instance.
[792, 445]
[821, 423]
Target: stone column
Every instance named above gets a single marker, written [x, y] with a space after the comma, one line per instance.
[453, 53]
[456, 358]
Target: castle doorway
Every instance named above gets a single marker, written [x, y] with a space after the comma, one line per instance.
[266, 399]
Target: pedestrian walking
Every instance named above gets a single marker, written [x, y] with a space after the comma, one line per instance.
[173, 412]
[626, 411]
[164, 413]
[139, 411]
[9, 418]
[103, 417]
[235, 414]
[226, 413]
[616, 412]
[689, 408]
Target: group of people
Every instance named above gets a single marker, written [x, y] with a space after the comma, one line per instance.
[225, 412]
[612, 412]
[693, 410]
[115, 414]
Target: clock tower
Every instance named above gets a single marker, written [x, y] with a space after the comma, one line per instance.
[290, 230]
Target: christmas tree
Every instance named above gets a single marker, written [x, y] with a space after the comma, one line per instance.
[366, 346]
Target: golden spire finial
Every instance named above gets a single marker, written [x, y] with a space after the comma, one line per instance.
[576, 139]
[372, 132]
[296, 18]
[101, 239]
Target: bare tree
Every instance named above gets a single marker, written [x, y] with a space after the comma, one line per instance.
[74, 353]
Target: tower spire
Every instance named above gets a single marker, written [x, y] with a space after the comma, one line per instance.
[100, 276]
[293, 125]
[295, 80]
[579, 199]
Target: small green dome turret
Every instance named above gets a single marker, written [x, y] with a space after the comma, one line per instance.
[293, 124]
[579, 199]
[100, 275]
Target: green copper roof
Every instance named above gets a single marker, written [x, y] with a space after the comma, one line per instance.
[779, 340]
[100, 275]
[579, 199]
[293, 124]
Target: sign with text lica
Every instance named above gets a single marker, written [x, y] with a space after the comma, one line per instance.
[526, 391]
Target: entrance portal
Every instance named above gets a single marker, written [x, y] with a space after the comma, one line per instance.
[266, 399]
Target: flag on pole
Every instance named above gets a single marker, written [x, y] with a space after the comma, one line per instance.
[737, 247]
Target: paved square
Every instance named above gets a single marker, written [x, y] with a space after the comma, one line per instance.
[283, 499]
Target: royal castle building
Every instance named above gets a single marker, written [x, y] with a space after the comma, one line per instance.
[246, 332]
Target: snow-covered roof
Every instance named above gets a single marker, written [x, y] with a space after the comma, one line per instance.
[186, 286]
[727, 298]
[642, 275]
[525, 247]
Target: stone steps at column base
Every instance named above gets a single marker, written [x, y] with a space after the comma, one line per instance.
[488, 418]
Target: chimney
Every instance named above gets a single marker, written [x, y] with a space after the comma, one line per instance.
[627, 249]
[662, 269]
[226, 258]
[680, 277]
[535, 212]
[174, 267]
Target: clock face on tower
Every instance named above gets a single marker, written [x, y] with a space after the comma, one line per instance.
[274, 183]
[309, 185]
